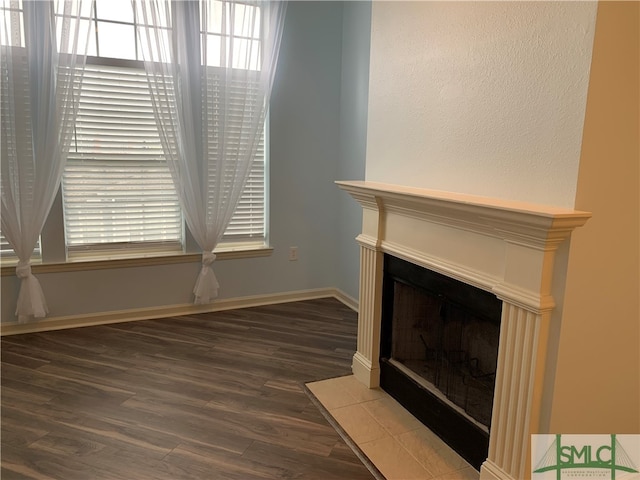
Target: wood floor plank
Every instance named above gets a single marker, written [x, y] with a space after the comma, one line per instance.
[310, 466]
[209, 396]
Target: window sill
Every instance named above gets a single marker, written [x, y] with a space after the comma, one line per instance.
[141, 260]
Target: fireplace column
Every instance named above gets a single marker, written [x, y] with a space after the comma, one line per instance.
[515, 407]
[522, 354]
[366, 363]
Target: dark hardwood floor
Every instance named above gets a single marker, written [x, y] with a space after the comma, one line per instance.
[210, 396]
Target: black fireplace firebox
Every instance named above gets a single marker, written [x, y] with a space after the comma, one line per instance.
[438, 353]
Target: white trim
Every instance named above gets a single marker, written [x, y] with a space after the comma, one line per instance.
[490, 471]
[365, 371]
[140, 260]
[348, 300]
[474, 277]
[132, 315]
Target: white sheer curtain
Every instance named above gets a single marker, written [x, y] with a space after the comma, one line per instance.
[42, 65]
[210, 67]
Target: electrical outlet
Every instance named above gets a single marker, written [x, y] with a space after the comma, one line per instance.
[293, 254]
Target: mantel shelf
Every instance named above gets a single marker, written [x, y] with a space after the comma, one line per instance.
[483, 214]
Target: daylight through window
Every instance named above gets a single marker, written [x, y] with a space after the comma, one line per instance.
[117, 190]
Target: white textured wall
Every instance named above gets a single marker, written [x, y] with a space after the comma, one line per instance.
[485, 98]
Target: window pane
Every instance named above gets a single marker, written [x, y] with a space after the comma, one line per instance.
[119, 10]
[233, 39]
[161, 41]
[246, 54]
[87, 34]
[213, 16]
[246, 21]
[156, 14]
[64, 7]
[12, 24]
[212, 51]
[116, 41]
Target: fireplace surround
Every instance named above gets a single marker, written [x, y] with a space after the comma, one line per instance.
[503, 247]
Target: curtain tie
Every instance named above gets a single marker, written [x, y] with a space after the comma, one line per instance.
[31, 301]
[206, 289]
[208, 258]
[23, 270]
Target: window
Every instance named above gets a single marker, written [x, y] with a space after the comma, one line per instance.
[117, 191]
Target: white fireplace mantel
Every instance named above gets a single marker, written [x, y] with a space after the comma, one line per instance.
[501, 246]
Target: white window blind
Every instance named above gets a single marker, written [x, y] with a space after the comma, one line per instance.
[5, 248]
[244, 97]
[7, 252]
[117, 188]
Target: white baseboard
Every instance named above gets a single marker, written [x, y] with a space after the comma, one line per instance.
[349, 301]
[364, 371]
[105, 318]
[491, 471]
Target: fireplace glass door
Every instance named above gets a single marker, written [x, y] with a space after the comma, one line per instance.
[447, 345]
[442, 336]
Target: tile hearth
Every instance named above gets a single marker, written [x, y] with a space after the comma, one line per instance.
[397, 443]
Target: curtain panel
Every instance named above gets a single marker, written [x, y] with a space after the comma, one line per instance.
[210, 67]
[43, 56]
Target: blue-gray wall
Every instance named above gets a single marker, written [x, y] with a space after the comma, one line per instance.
[305, 135]
[315, 139]
[354, 98]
